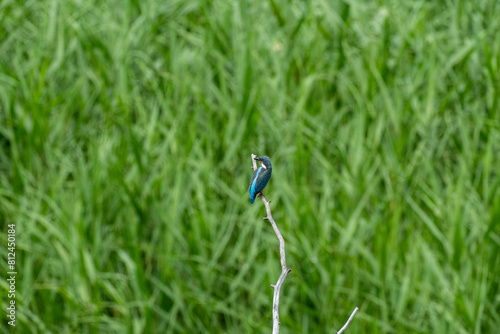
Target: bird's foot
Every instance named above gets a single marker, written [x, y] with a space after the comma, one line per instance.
[260, 194]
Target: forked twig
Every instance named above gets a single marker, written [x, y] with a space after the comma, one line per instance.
[284, 269]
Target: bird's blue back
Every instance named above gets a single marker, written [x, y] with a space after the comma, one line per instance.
[260, 178]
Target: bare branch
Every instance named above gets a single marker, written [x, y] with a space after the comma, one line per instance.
[348, 320]
[254, 164]
[284, 269]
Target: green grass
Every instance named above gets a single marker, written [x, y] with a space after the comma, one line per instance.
[126, 129]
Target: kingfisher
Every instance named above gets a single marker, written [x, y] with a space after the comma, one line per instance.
[260, 177]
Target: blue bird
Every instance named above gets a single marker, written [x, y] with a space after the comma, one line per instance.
[260, 177]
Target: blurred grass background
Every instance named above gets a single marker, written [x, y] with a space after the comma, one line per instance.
[126, 129]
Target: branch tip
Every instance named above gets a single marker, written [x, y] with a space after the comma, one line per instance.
[356, 309]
